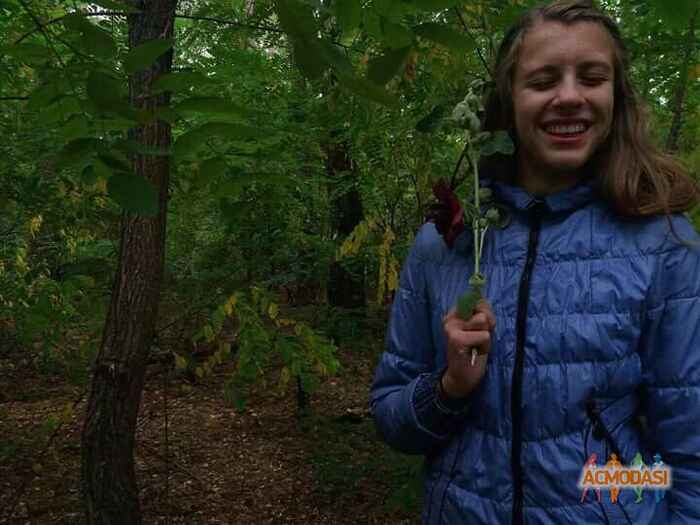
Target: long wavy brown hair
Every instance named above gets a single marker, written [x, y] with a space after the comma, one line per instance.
[633, 175]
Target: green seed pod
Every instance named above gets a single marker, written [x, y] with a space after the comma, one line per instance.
[485, 195]
[474, 123]
[483, 223]
[472, 101]
[493, 216]
[461, 115]
[477, 280]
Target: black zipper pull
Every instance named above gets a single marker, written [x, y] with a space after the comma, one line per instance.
[599, 431]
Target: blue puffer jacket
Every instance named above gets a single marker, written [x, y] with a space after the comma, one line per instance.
[598, 329]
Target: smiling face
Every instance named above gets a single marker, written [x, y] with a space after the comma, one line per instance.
[563, 99]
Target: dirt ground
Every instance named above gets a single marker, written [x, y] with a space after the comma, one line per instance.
[259, 465]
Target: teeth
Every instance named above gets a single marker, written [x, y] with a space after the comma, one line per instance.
[561, 130]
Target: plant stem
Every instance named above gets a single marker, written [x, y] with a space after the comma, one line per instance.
[475, 223]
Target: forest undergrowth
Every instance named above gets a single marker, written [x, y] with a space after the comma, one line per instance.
[215, 464]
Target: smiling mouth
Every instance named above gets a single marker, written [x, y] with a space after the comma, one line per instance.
[567, 130]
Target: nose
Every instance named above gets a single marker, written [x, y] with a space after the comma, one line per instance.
[568, 94]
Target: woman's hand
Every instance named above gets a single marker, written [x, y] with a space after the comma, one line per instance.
[461, 378]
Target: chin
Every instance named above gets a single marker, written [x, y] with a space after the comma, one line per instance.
[567, 163]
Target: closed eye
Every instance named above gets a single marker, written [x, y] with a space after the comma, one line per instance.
[541, 84]
[594, 80]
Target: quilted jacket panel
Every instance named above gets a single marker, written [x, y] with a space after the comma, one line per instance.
[613, 318]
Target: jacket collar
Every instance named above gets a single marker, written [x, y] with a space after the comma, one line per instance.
[564, 201]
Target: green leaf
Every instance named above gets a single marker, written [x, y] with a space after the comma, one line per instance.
[190, 142]
[367, 90]
[79, 152]
[180, 81]
[135, 194]
[98, 42]
[115, 160]
[334, 57]
[102, 171]
[297, 19]
[211, 106]
[395, 35]
[232, 187]
[60, 110]
[143, 56]
[210, 170]
[349, 13]
[373, 24]
[105, 91]
[382, 69]
[498, 142]
[432, 120]
[445, 36]
[308, 58]
[676, 14]
[28, 52]
[436, 5]
[44, 95]
[75, 127]
[94, 40]
[112, 5]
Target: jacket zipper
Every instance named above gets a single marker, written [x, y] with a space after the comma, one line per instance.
[517, 386]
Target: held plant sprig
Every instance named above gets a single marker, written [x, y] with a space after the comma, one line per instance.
[481, 214]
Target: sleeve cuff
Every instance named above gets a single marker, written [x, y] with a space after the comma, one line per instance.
[435, 411]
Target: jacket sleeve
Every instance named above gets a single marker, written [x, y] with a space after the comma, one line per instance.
[409, 413]
[670, 355]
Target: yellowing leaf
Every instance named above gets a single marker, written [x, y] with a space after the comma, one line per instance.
[199, 372]
[208, 333]
[695, 72]
[284, 378]
[273, 310]
[35, 225]
[68, 411]
[180, 362]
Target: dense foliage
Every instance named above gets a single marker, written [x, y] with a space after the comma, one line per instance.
[281, 112]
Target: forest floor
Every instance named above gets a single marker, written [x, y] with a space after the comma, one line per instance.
[259, 465]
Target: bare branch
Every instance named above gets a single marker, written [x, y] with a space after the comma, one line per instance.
[470, 35]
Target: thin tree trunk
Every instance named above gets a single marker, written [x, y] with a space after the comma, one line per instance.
[108, 480]
[675, 131]
[344, 289]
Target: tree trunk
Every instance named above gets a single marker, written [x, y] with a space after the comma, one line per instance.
[108, 481]
[679, 98]
[344, 290]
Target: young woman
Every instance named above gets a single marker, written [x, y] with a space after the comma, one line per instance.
[592, 322]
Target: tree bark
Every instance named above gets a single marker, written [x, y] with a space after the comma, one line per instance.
[679, 98]
[108, 480]
[344, 290]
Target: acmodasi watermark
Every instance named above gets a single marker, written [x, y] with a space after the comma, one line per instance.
[614, 476]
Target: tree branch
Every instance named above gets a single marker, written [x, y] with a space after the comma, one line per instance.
[469, 34]
[223, 21]
[41, 28]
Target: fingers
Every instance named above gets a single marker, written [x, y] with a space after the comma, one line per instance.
[468, 339]
[484, 307]
[483, 319]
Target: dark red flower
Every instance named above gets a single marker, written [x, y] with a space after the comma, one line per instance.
[447, 213]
